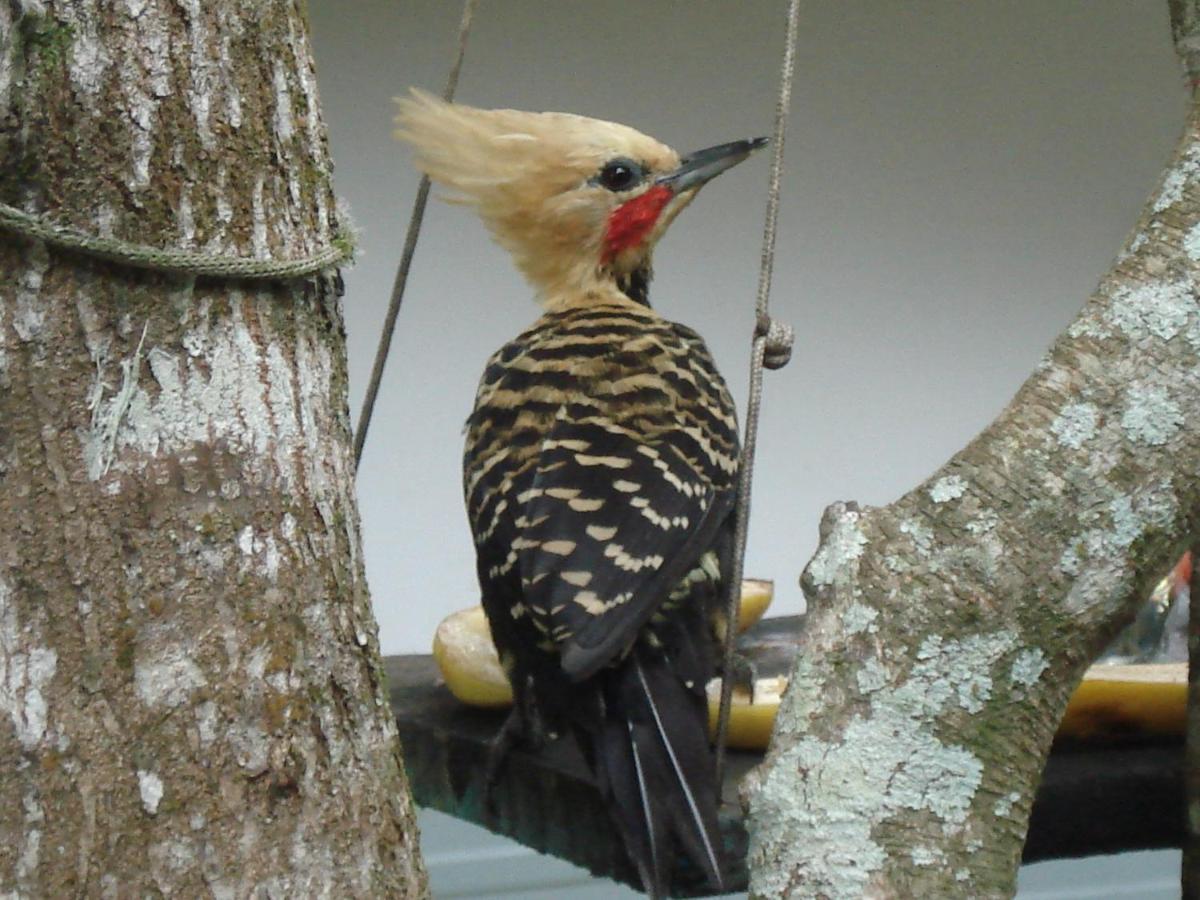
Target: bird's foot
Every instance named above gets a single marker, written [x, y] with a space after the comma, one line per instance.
[524, 726]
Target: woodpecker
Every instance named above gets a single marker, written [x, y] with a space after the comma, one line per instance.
[600, 463]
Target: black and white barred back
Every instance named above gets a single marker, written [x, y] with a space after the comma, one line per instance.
[599, 474]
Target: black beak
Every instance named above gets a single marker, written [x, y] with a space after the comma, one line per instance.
[697, 168]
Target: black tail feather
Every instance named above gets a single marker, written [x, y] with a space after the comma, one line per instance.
[682, 736]
[635, 803]
[654, 766]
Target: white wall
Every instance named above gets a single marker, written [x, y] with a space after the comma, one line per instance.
[959, 175]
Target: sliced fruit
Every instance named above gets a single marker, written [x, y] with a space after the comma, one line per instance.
[1113, 700]
[750, 724]
[466, 656]
[757, 594]
[1118, 701]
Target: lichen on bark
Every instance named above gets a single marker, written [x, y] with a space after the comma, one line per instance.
[191, 697]
[947, 630]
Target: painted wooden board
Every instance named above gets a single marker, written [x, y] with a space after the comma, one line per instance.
[1094, 798]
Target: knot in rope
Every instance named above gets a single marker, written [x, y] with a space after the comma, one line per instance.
[778, 340]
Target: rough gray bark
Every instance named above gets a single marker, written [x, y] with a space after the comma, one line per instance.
[190, 683]
[1190, 875]
[947, 630]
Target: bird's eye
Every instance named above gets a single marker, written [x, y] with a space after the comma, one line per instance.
[620, 175]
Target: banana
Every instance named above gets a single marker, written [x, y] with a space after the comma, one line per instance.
[1115, 701]
[757, 594]
[466, 657]
[750, 724]
[1112, 700]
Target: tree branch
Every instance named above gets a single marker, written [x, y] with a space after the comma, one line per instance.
[947, 630]
[1191, 771]
[1185, 29]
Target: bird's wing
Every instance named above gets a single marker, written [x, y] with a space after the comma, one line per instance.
[612, 522]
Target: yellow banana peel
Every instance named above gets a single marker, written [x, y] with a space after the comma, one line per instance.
[1111, 702]
[1117, 701]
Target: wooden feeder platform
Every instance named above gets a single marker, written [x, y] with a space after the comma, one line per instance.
[1094, 798]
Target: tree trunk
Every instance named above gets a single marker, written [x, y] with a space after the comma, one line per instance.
[947, 630]
[190, 683]
[1190, 875]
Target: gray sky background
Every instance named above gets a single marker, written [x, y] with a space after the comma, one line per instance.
[959, 175]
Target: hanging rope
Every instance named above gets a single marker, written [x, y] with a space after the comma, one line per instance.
[406, 258]
[177, 262]
[771, 348]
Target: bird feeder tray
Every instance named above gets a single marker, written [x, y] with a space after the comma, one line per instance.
[1094, 797]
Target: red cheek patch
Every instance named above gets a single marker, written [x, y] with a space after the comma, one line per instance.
[633, 220]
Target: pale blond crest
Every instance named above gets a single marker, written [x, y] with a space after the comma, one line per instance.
[527, 174]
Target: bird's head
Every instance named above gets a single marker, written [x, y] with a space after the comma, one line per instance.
[579, 202]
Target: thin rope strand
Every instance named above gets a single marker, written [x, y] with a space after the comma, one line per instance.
[771, 347]
[406, 258]
[178, 262]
